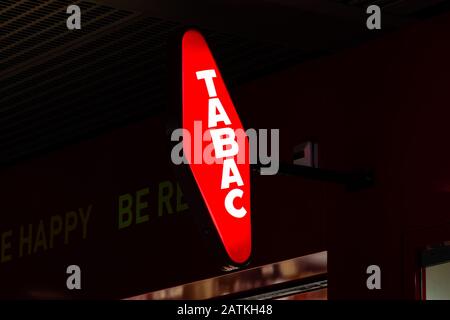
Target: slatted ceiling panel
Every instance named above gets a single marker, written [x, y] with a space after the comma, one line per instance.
[58, 87]
[95, 78]
[69, 61]
[97, 81]
[31, 28]
[79, 63]
[62, 87]
[19, 21]
[141, 79]
[6, 4]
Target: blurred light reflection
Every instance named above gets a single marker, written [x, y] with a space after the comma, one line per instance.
[284, 271]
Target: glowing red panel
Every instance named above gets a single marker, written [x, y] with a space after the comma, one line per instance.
[208, 110]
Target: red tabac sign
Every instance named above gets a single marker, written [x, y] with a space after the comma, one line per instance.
[220, 162]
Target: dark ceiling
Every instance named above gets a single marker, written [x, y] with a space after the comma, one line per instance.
[58, 87]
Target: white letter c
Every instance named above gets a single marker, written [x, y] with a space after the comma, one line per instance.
[229, 199]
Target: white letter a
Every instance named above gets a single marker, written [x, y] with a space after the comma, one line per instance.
[374, 21]
[214, 117]
[74, 21]
[74, 280]
[374, 281]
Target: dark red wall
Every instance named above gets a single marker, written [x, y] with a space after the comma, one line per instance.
[384, 105]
